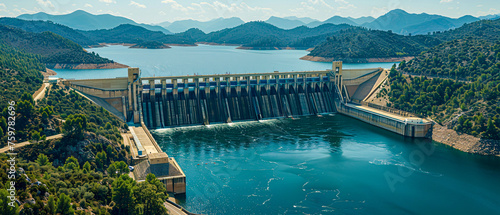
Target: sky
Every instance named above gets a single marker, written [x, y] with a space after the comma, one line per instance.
[157, 11]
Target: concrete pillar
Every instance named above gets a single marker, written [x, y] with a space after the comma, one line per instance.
[163, 88]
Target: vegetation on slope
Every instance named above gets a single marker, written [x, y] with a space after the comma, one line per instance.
[471, 106]
[127, 33]
[465, 59]
[19, 72]
[52, 47]
[84, 172]
[42, 26]
[261, 34]
[150, 45]
[356, 44]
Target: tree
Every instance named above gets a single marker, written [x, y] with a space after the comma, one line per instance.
[101, 159]
[492, 131]
[64, 205]
[35, 136]
[5, 208]
[118, 168]
[151, 200]
[51, 205]
[75, 125]
[123, 195]
[42, 160]
[112, 170]
[71, 164]
[86, 167]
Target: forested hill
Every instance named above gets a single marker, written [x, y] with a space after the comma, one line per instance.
[53, 49]
[356, 44]
[127, 33]
[262, 34]
[42, 26]
[464, 59]
[488, 30]
[19, 72]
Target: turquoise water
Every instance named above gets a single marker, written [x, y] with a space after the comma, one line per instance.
[312, 165]
[327, 165]
[201, 60]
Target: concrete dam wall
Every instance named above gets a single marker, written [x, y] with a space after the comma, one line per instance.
[216, 101]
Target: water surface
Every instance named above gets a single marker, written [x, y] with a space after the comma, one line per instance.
[203, 60]
[326, 165]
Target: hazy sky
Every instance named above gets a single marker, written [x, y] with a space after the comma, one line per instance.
[155, 11]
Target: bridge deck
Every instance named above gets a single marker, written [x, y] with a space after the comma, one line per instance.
[144, 140]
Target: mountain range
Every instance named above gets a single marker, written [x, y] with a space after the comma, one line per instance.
[83, 20]
[397, 21]
[402, 22]
[207, 27]
[262, 35]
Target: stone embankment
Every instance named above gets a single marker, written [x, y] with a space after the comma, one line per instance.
[357, 60]
[465, 142]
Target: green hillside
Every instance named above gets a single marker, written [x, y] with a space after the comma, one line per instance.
[52, 47]
[19, 72]
[127, 33]
[471, 106]
[42, 26]
[265, 35]
[356, 44]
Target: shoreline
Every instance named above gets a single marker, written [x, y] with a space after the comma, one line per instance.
[464, 142]
[357, 60]
[267, 48]
[87, 66]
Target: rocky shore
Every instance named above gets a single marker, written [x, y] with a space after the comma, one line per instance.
[266, 48]
[464, 142]
[87, 66]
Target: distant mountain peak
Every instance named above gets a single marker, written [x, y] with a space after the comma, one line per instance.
[397, 11]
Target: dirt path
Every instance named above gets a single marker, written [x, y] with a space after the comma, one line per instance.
[19, 145]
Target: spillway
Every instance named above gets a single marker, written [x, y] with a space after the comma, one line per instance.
[184, 101]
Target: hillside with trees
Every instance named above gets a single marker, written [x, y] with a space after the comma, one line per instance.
[132, 34]
[467, 96]
[357, 44]
[42, 26]
[53, 48]
[84, 172]
[20, 73]
[264, 35]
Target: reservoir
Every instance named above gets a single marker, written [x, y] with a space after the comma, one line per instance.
[331, 164]
[203, 60]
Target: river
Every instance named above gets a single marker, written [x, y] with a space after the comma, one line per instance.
[313, 165]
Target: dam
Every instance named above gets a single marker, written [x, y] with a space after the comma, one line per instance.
[171, 101]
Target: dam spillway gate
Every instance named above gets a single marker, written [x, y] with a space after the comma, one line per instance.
[172, 101]
[209, 99]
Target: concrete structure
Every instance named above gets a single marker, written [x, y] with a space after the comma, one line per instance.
[156, 102]
[151, 159]
[349, 101]
[205, 99]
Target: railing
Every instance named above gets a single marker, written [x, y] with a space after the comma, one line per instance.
[157, 147]
[180, 207]
[386, 109]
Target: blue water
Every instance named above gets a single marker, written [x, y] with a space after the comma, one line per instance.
[203, 59]
[327, 165]
[312, 165]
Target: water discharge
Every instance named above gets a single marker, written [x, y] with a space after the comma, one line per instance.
[312, 165]
[321, 165]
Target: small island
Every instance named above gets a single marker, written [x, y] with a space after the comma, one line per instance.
[150, 45]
